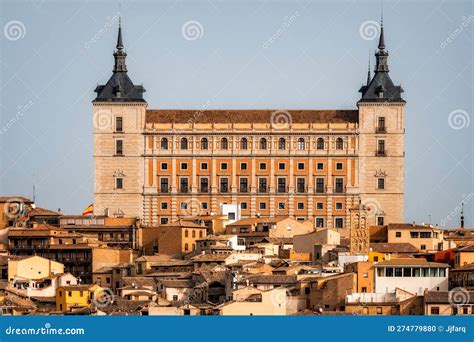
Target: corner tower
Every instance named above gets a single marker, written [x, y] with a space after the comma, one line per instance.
[118, 123]
[381, 143]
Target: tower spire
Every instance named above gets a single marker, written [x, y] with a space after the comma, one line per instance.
[381, 55]
[368, 72]
[120, 55]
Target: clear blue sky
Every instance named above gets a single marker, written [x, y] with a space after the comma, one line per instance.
[53, 53]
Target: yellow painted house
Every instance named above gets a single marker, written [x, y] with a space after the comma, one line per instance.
[33, 267]
[76, 296]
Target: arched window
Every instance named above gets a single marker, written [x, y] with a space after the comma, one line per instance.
[263, 144]
[186, 233]
[186, 246]
[339, 144]
[282, 144]
[301, 144]
[243, 144]
[164, 143]
[204, 144]
[184, 143]
[193, 234]
[224, 144]
[320, 144]
[200, 234]
[194, 246]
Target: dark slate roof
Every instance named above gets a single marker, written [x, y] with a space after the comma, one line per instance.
[128, 92]
[381, 81]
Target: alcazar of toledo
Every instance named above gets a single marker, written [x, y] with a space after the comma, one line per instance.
[317, 165]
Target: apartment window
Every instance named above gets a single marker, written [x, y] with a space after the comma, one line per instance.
[339, 166]
[434, 310]
[184, 166]
[184, 206]
[339, 144]
[224, 144]
[319, 222]
[164, 185]
[243, 144]
[262, 205]
[281, 144]
[381, 124]
[119, 124]
[301, 144]
[320, 144]
[184, 143]
[398, 234]
[320, 185]
[338, 205]
[263, 144]
[164, 205]
[203, 166]
[204, 205]
[339, 222]
[244, 185]
[224, 185]
[119, 147]
[243, 205]
[204, 186]
[262, 185]
[425, 235]
[423, 247]
[300, 205]
[163, 220]
[262, 166]
[281, 205]
[183, 185]
[164, 166]
[243, 166]
[339, 185]
[381, 147]
[164, 144]
[319, 206]
[204, 144]
[381, 183]
[300, 166]
[380, 221]
[320, 166]
[281, 188]
[186, 248]
[281, 166]
[300, 184]
[223, 166]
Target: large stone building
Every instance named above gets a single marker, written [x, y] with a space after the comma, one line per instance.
[160, 165]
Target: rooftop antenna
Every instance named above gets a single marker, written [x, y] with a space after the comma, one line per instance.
[462, 214]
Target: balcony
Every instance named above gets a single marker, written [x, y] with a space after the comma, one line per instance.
[184, 190]
[381, 129]
[380, 153]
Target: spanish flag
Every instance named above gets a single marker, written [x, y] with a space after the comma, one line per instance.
[89, 210]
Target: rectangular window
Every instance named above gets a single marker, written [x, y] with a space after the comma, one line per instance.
[339, 185]
[338, 166]
[281, 205]
[243, 205]
[119, 147]
[320, 166]
[281, 166]
[338, 205]
[183, 185]
[119, 183]
[164, 205]
[243, 166]
[389, 272]
[164, 185]
[381, 125]
[263, 166]
[164, 166]
[262, 205]
[224, 185]
[381, 147]
[262, 185]
[398, 234]
[319, 206]
[300, 205]
[320, 185]
[119, 124]
[163, 220]
[300, 166]
[281, 185]
[244, 185]
[339, 222]
[204, 186]
[203, 166]
[381, 183]
[434, 310]
[319, 222]
[380, 221]
[223, 166]
[204, 205]
[398, 271]
[300, 185]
